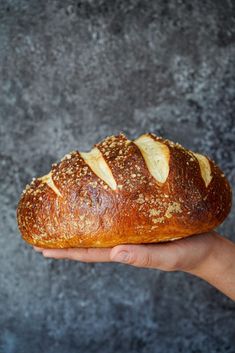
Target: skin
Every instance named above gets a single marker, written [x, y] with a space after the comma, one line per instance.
[209, 256]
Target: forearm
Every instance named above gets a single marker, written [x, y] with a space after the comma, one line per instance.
[219, 268]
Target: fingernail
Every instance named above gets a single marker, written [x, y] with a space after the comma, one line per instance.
[122, 256]
[46, 254]
[36, 248]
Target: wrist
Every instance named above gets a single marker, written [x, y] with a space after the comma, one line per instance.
[204, 264]
[218, 267]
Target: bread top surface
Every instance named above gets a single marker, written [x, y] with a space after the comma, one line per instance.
[123, 191]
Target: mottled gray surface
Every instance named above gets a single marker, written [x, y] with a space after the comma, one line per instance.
[70, 74]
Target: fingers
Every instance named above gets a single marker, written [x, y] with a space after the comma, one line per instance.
[36, 248]
[166, 257]
[79, 254]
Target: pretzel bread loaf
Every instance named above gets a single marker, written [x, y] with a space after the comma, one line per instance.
[123, 191]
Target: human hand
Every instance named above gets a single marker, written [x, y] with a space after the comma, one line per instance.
[185, 254]
[208, 256]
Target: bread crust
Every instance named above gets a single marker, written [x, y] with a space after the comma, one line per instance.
[74, 207]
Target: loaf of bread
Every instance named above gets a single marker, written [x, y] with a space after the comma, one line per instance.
[143, 191]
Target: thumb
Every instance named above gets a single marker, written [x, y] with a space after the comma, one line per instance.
[161, 256]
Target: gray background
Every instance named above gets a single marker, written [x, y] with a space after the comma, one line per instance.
[70, 74]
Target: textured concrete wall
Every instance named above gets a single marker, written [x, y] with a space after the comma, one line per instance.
[72, 72]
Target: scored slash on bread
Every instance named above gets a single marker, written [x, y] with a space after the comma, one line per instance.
[142, 191]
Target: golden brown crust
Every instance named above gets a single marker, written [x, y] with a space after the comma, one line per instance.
[73, 207]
